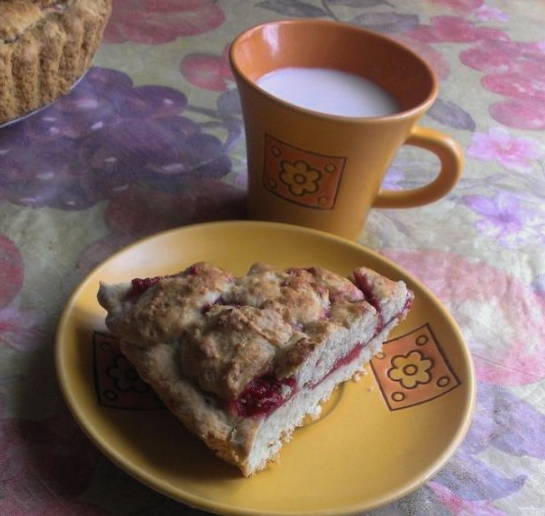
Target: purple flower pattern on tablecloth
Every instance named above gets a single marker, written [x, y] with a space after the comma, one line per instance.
[393, 178]
[143, 157]
[106, 136]
[514, 153]
[539, 283]
[502, 217]
[502, 212]
[487, 13]
[502, 421]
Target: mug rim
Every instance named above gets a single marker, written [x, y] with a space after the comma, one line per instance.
[398, 115]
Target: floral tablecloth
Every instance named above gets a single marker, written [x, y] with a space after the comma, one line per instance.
[152, 138]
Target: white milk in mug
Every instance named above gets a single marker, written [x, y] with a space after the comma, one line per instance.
[329, 91]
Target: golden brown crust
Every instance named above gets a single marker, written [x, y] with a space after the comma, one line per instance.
[234, 329]
[45, 46]
[232, 346]
[380, 291]
[165, 311]
[17, 16]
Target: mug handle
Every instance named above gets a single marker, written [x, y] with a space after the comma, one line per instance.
[451, 157]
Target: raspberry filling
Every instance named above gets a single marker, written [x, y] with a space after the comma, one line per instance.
[352, 355]
[363, 283]
[140, 285]
[263, 395]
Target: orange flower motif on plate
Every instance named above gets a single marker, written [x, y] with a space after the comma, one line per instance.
[117, 383]
[413, 369]
[410, 369]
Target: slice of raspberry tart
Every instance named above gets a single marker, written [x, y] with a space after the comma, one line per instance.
[241, 361]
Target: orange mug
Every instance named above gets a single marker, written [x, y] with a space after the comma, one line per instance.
[321, 170]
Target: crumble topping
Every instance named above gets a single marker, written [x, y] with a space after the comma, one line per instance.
[228, 331]
[18, 16]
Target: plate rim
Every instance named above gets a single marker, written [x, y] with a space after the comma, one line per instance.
[199, 502]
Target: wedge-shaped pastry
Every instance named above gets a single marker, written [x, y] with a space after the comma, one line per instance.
[242, 361]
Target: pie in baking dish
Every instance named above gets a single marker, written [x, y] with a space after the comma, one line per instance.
[45, 46]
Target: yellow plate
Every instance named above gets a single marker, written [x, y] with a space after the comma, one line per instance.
[379, 439]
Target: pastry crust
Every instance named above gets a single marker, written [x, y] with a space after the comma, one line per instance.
[201, 337]
[45, 46]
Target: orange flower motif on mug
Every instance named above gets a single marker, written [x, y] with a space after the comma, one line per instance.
[411, 369]
[299, 177]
